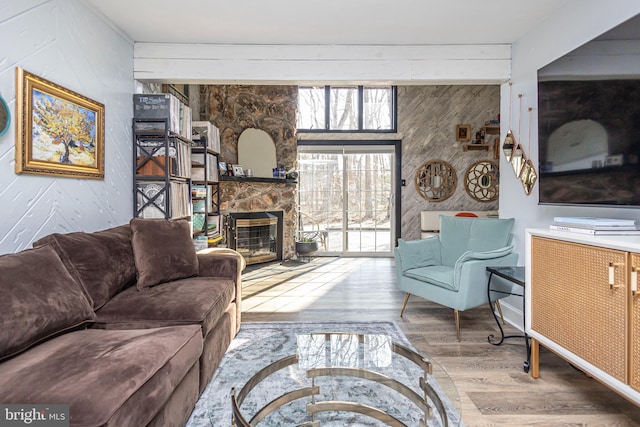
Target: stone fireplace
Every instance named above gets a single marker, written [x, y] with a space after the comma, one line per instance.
[272, 108]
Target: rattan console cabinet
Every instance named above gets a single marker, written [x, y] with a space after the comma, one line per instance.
[583, 304]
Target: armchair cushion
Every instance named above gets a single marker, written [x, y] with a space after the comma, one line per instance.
[438, 275]
[419, 253]
[459, 235]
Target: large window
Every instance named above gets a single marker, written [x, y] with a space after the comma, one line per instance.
[347, 109]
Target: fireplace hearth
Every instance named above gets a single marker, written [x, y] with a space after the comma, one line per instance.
[257, 236]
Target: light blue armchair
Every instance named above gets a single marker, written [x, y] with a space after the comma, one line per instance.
[450, 268]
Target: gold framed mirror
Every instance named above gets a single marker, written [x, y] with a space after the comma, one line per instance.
[528, 176]
[481, 181]
[436, 180]
[517, 160]
[507, 147]
[5, 116]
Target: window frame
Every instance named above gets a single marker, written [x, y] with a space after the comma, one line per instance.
[360, 111]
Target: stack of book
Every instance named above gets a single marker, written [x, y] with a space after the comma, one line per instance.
[595, 226]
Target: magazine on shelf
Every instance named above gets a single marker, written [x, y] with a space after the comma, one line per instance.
[594, 232]
[596, 227]
[593, 220]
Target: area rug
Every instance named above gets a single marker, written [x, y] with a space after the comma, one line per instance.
[259, 344]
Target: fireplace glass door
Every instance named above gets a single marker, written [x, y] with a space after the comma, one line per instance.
[346, 198]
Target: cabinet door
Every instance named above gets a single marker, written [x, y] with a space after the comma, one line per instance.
[634, 347]
[573, 304]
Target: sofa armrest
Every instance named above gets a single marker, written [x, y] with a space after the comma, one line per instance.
[220, 262]
[223, 262]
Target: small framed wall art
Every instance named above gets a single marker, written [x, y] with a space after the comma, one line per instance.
[237, 170]
[463, 133]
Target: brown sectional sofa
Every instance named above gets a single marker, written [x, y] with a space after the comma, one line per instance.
[126, 325]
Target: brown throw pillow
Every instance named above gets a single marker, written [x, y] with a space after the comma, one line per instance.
[39, 299]
[163, 251]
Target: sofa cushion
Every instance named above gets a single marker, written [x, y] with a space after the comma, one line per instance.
[439, 275]
[39, 300]
[459, 235]
[102, 262]
[197, 300]
[163, 251]
[109, 378]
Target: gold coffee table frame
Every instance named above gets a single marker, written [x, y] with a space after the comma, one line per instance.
[342, 406]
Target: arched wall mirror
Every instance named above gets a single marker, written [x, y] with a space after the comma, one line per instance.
[481, 181]
[257, 151]
[5, 117]
[436, 180]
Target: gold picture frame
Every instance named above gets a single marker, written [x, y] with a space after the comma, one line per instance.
[59, 132]
[463, 133]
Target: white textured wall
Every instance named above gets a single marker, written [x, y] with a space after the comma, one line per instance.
[575, 24]
[63, 41]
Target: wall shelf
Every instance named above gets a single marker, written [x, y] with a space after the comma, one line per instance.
[477, 147]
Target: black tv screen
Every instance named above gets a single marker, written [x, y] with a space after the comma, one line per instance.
[589, 125]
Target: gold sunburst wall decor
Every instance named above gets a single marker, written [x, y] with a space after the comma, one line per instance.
[481, 181]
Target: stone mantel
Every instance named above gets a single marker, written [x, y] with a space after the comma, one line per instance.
[258, 179]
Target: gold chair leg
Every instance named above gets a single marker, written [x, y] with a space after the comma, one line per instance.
[404, 304]
[499, 307]
[456, 315]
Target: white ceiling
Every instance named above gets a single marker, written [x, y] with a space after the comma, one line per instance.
[343, 22]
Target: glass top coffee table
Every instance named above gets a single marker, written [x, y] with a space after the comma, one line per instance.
[338, 379]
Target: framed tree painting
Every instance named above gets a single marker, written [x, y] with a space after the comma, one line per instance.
[59, 132]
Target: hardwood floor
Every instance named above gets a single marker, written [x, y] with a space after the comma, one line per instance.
[493, 387]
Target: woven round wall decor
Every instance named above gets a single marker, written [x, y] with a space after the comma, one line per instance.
[436, 180]
[481, 181]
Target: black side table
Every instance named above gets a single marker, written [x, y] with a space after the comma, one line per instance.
[513, 275]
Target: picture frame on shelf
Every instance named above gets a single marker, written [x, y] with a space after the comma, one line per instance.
[463, 133]
[222, 168]
[59, 132]
[238, 170]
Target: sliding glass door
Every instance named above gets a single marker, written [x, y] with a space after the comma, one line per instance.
[346, 198]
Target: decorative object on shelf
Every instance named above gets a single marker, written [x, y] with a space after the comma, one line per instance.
[279, 172]
[436, 180]
[237, 170]
[60, 132]
[5, 116]
[481, 181]
[463, 133]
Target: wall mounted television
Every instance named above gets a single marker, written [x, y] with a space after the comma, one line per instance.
[589, 123]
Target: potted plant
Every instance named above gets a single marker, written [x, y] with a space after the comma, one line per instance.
[306, 246]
